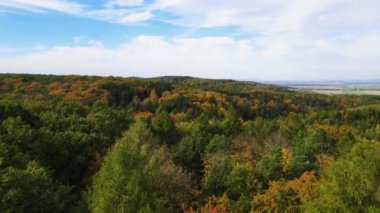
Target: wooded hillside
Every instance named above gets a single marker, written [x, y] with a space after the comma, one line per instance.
[182, 144]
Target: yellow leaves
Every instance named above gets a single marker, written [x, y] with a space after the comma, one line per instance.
[140, 88]
[153, 97]
[277, 198]
[181, 116]
[144, 115]
[11, 83]
[145, 103]
[32, 86]
[208, 107]
[271, 104]
[325, 161]
[169, 96]
[288, 101]
[82, 96]
[106, 97]
[339, 131]
[286, 196]
[294, 107]
[184, 126]
[58, 92]
[287, 156]
[58, 85]
[79, 90]
[222, 112]
[305, 186]
[207, 95]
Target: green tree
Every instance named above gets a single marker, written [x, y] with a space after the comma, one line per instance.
[16, 131]
[291, 125]
[271, 166]
[241, 181]
[121, 185]
[240, 184]
[305, 151]
[171, 183]
[188, 157]
[201, 133]
[214, 182]
[231, 124]
[378, 131]
[218, 143]
[163, 126]
[353, 184]
[134, 176]
[32, 190]
[260, 129]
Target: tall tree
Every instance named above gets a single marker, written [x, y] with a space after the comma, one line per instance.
[136, 177]
[231, 124]
[164, 127]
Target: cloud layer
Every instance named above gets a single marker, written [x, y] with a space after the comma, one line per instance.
[213, 57]
[274, 39]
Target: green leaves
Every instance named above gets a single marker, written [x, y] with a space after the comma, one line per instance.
[218, 143]
[136, 177]
[307, 148]
[241, 181]
[215, 180]
[164, 127]
[352, 184]
[271, 166]
[31, 190]
[231, 124]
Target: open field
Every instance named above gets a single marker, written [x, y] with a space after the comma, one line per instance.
[335, 88]
[350, 92]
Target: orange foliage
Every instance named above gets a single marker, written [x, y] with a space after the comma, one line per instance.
[287, 196]
[214, 205]
[106, 97]
[325, 161]
[277, 198]
[271, 104]
[153, 97]
[144, 115]
[305, 186]
[340, 131]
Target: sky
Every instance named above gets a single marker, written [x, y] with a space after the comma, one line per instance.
[239, 39]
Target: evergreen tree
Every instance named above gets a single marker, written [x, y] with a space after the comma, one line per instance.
[164, 127]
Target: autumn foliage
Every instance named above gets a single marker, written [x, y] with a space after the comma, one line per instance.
[182, 144]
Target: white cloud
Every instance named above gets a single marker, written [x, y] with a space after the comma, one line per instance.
[136, 17]
[284, 39]
[43, 5]
[120, 15]
[215, 57]
[270, 16]
[124, 3]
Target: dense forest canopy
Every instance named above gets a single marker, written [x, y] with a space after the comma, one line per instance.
[182, 144]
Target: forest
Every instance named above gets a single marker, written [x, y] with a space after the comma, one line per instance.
[183, 144]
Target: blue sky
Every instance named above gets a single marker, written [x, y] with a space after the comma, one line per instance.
[242, 39]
